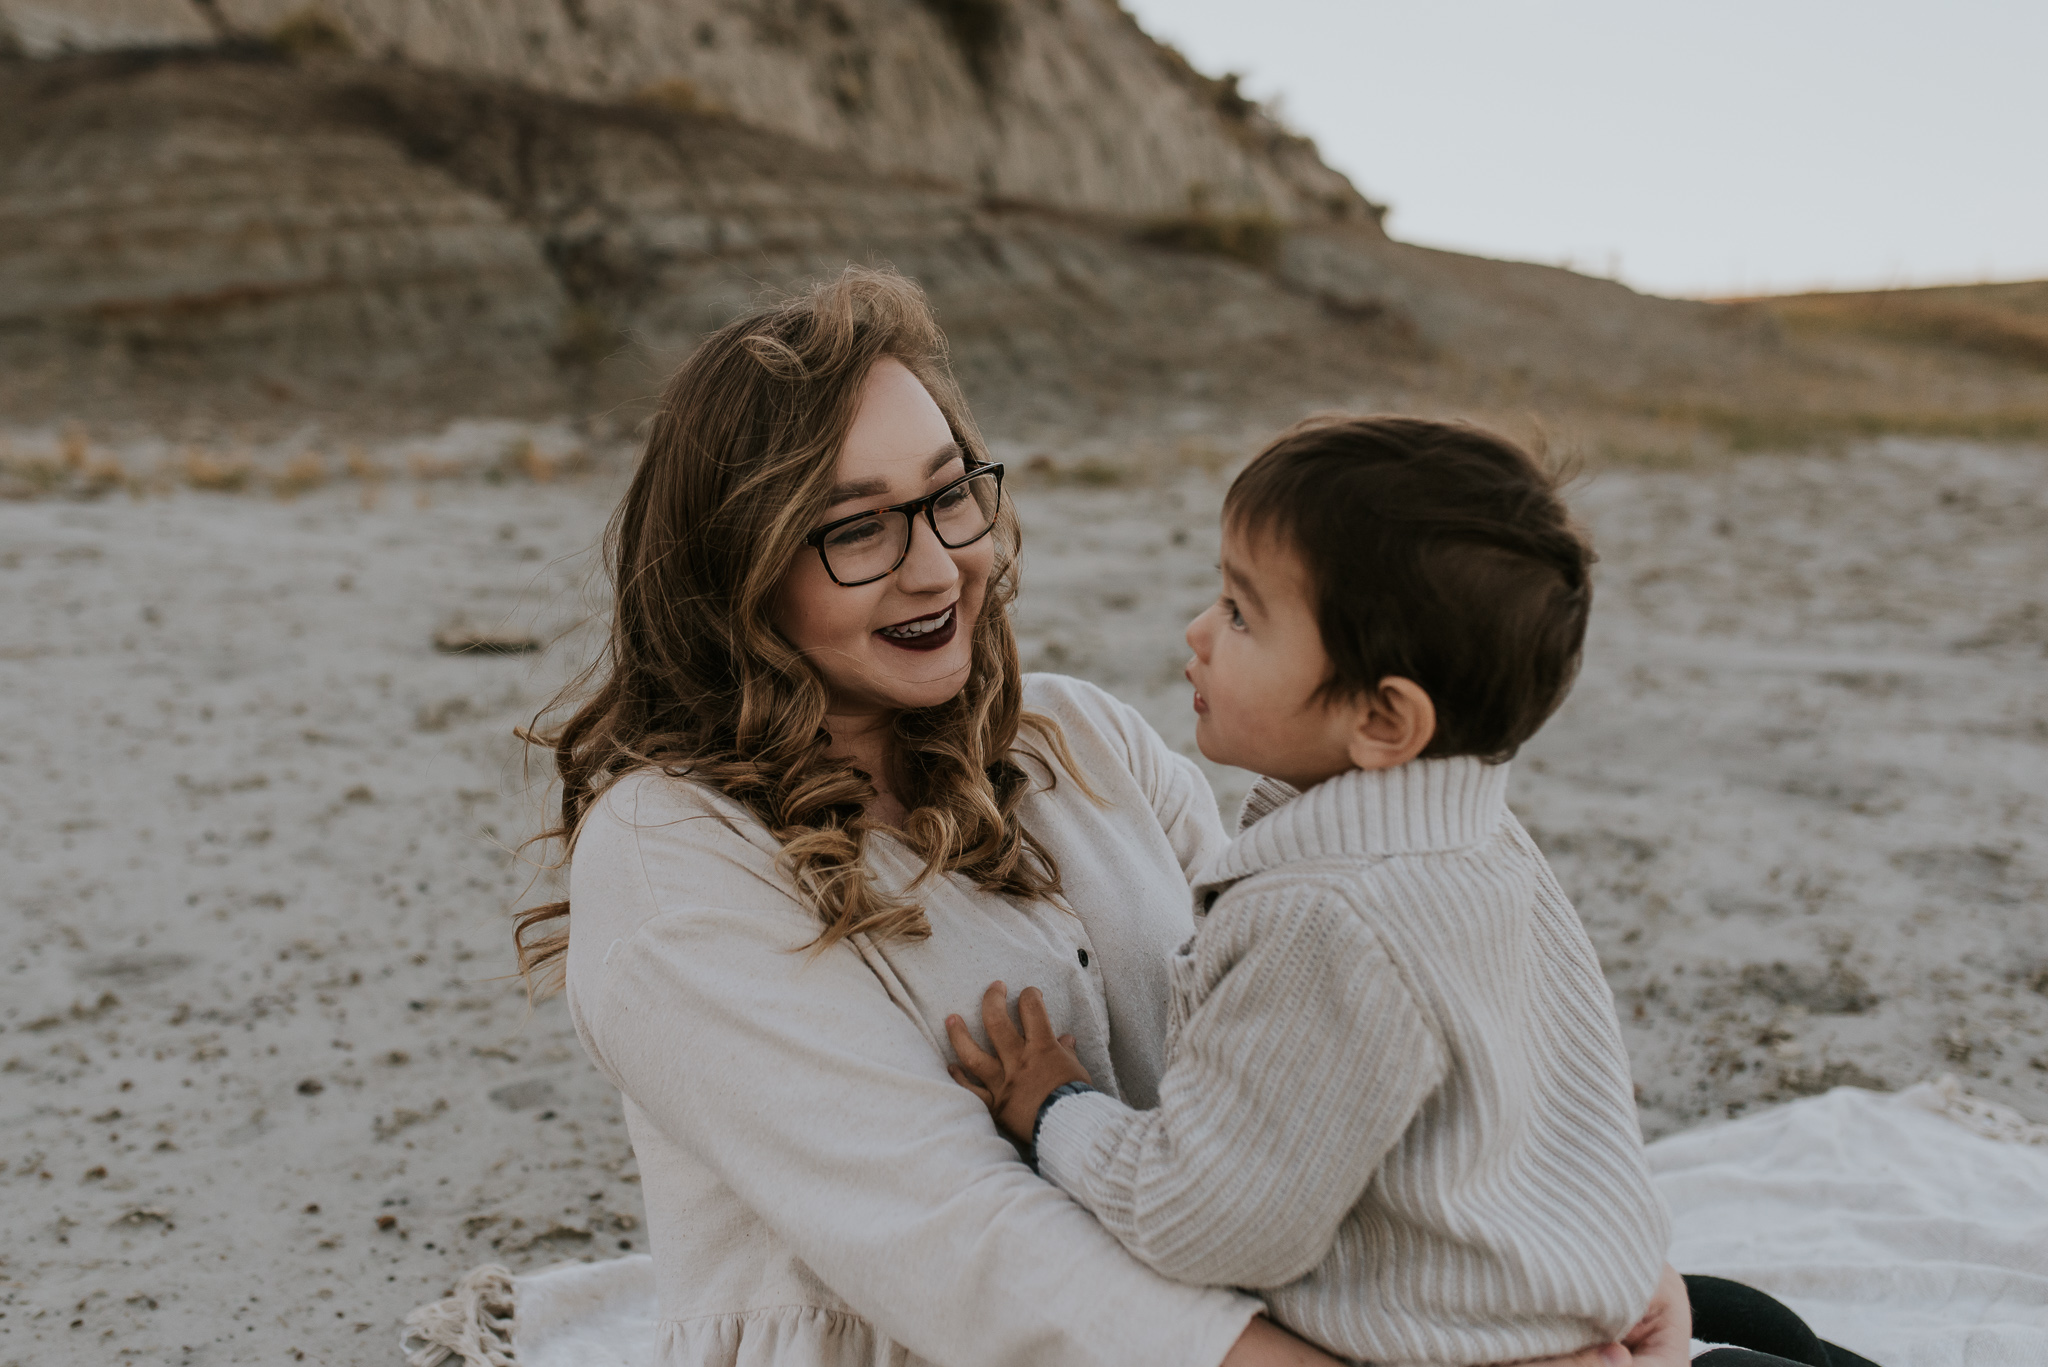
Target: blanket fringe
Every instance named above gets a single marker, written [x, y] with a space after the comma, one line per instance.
[473, 1326]
[1945, 1097]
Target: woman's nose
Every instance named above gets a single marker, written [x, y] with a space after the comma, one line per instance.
[929, 568]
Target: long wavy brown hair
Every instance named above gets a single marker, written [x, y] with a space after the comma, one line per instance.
[695, 679]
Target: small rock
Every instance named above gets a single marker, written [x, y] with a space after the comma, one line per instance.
[520, 1096]
[143, 1215]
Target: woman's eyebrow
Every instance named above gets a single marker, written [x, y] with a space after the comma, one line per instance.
[876, 488]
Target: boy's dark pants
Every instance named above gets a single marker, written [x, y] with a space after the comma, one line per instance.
[1769, 1335]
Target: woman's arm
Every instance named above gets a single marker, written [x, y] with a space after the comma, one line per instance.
[1265, 1344]
[796, 1081]
[1663, 1338]
[1179, 794]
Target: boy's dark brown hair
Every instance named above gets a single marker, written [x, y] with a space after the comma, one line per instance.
[1436, 552]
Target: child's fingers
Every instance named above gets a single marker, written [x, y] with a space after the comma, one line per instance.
[995, 1018]
[1031, 1010]
[987, 1097]
[986, 1068]
[1067, 1043]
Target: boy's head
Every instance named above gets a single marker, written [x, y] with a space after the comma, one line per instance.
[1394, 588]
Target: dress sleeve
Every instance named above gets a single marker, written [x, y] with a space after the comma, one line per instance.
[1291, 1079]
[1178, 791]
[795, 1078]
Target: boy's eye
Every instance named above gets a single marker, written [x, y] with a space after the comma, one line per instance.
[1229, 606]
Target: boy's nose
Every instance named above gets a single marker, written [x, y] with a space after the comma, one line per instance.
[1198, 636]
[929, 567]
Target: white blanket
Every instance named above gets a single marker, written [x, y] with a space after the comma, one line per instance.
[1911, 1228]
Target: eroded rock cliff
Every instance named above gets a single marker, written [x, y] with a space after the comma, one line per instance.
[219, 228]
[1065, 103]
[374, 213]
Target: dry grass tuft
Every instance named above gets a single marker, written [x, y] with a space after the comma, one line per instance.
[311, 32]
[1747, 430]
[216, 474]
[677, 96]
[301, 474]
[1089, 473]
[1253, 239]
[73, 472]
[362, 468]
[1952, 323]
[587, 338]
[425, 467]
[68, 466]
[521, 459]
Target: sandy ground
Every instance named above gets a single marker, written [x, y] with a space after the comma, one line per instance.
[264, 1087]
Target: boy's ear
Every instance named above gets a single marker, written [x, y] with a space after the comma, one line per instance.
[1393, 724]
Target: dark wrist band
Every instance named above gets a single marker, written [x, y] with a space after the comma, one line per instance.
[1063, 1090]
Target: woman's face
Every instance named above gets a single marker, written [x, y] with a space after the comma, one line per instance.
[905, 640]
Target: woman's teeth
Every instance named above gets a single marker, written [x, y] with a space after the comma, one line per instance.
[910, 630]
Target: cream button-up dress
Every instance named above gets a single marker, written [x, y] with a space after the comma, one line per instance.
[819, 1192]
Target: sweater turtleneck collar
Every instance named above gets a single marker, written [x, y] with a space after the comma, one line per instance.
[1426, 805]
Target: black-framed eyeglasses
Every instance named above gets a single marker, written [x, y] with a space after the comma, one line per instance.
[868, 546]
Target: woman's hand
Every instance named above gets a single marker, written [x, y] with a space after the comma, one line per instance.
[1661, 1338]
[1265, 1344]
[1025, 1068]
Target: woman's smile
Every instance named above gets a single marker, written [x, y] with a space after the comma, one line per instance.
[929, 632]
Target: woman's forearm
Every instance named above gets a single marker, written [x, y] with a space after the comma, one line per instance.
[1265, 1344]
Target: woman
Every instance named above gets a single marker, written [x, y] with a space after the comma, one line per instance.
[815, 809]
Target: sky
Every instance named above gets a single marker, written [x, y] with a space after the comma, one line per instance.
[1725, 148]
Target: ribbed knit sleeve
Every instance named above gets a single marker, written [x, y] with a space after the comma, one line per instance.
[1299, 1068]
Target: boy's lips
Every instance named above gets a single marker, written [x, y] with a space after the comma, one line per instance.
[1201, 703]
[928, 632]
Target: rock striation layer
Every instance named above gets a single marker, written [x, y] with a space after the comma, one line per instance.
[1065, 103]
[227, 227]
[374, 212]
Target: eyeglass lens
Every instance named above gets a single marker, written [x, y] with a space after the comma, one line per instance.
[873, 546]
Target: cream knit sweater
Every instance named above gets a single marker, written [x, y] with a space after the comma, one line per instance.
[1395, 1099]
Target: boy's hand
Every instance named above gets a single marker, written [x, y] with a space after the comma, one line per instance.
[1025, 1068]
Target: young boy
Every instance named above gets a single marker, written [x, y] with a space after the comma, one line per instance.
[1395, 1100]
